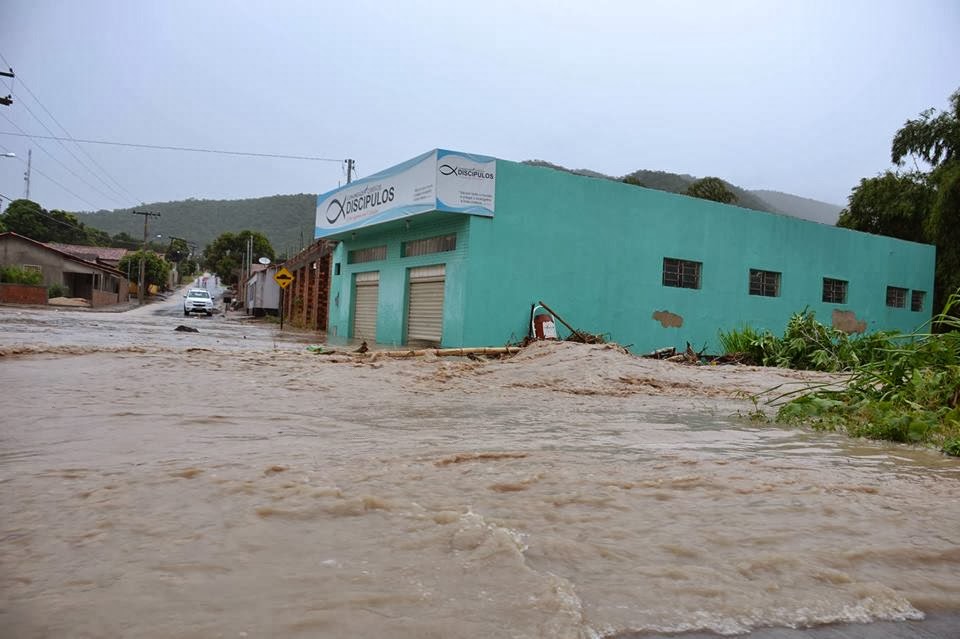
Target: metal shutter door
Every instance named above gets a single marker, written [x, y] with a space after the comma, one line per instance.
[425, 307]
[367, 292]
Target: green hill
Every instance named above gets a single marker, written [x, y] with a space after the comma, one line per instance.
[813, 210]
[284, 219]
[288, 220]
[670, 182]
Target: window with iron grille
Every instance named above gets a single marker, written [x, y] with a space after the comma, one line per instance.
[33, 267]
[765, 283]
[916, 300]
[834, 291]
[681, 273]
[426, 246]
[896, 297]
[371, 254]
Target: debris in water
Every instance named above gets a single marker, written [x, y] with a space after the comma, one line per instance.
[186, 329]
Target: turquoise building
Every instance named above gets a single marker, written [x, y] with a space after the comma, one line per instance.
[453, 249]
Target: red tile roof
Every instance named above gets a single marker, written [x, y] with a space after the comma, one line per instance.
[90, 253]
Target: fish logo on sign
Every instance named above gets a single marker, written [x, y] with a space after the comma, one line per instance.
[283, 277]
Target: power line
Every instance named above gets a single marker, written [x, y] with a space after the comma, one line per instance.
[64, 146]
[82, 150]
[57, 160]
[36, 170]
[160, 147]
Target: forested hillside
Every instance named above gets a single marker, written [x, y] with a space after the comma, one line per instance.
[284, 219]
[288, 220]
[806, 208]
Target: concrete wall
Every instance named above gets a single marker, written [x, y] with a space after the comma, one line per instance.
[394, 270]
[593, 250]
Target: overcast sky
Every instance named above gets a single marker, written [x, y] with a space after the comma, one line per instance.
[801, 97]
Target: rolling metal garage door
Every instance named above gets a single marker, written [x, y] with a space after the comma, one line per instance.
[367, 292]
[425, 306]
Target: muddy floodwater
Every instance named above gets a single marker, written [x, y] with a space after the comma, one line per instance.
[228, 483]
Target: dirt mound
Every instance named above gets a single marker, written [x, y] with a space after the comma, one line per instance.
[69, 301]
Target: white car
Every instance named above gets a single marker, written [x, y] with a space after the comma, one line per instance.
[197, 300]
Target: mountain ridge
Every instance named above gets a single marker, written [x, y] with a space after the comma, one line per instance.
[288, 220]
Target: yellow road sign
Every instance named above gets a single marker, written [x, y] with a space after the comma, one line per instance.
[283, 277]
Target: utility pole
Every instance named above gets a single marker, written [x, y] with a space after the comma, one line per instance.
[143, 255]
[349, 170]
[26, 175]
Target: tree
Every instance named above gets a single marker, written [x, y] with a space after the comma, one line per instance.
[919, 205]
[894, 204]
[30, 220]
[156, 268]
[933, 137]
[712, 188]
[225, 255]
[178, 250]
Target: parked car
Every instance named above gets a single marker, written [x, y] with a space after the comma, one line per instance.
[197, 300]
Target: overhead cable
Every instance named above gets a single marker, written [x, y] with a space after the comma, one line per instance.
[160, 147]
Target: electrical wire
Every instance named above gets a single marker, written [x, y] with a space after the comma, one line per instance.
[72, 154]
[191, 149]
[41, 173]
[58, 161]
[126, 193]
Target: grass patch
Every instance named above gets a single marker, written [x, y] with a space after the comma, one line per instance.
[806, 344]
[907, 390]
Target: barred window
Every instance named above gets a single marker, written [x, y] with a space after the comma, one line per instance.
[681, 273]
[426, 246]
[371, 254]
[896, 297]
[33, 267]
[916, 300]
[834, 291]
[764, 283]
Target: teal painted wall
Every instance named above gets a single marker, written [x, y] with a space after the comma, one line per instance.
[593, 250]
[392, 301]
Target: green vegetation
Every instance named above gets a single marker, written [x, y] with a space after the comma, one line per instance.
[30, 220]
[156, 268]
[225, 255]
[56, 290]
[712, 188]
[918, 205]
[285, 220]
[18, 275]
[806, 344]
[902, 388]
[679, 183]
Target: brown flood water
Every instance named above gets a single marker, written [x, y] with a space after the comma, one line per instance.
[571, 491]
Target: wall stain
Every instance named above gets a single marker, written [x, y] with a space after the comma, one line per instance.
[847, 322]
[668, 319]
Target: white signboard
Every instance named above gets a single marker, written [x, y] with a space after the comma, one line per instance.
[435, 181]
[465, 183]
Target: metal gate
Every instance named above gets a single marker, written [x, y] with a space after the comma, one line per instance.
[366, 294]
[425, 305]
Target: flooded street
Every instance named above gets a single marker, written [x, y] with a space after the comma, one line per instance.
[228, 483]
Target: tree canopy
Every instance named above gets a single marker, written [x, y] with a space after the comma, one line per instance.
[156, 268]
[225, 255]
[919, 205]
[29, 219]
[712, 188]
[894, 204]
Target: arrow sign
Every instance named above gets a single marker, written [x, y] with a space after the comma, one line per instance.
[283, 277]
